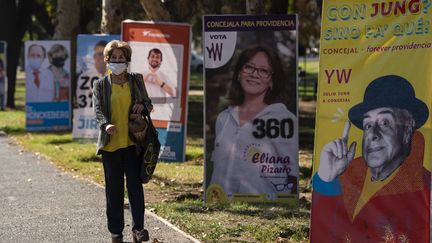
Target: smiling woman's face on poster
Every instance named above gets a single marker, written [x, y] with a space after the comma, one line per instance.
[251, 134]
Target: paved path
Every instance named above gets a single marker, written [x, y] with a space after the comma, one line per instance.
[40, 203]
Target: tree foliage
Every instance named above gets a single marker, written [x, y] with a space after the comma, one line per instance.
[309, 13]
[63, 19]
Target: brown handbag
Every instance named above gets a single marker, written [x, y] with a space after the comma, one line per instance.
[138, 126]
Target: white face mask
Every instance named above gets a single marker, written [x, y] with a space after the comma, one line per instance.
[34, 63]
[117, 68]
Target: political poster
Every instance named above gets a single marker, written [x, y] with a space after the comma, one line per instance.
[251, 118]
[48, 83]
[90, 66]
[371, 177]
[161, 53]
[3, 76]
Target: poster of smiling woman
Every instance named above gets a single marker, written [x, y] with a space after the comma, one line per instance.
[251, 136]
[47, 70]
[371, 178]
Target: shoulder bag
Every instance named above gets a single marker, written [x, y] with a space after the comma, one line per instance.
[150, 149]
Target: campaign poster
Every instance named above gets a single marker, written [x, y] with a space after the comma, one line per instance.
[48, 83]
[251, 119]
[90, 66]
[3, 76]
[161, 53]
[372, 158]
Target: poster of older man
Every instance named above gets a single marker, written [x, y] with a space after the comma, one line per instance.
[372, 159]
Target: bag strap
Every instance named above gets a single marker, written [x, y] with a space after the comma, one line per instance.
[147, 115]
[138, 82]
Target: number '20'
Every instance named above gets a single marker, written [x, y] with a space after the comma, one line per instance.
[273, 128]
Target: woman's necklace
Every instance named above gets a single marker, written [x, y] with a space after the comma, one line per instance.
[119, 79]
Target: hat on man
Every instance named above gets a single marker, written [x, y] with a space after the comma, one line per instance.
[389, 91]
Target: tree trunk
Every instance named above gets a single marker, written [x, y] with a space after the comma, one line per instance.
[254, 7]
[279, 7]
[67, 26]
[112, 15]
[67, 19]
[14, 21]
[155, 10]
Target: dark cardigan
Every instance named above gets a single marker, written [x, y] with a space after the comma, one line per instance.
[102, 106]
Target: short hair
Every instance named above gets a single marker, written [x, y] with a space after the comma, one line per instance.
[117, 44]
[278, 91]
[101, 43]
[57, 48]
[33, 45]
[156, 51]
[405, 118]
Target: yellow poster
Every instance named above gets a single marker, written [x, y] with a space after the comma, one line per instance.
[372, 158]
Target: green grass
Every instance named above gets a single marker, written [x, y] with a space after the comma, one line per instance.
[237, 222]
[311, 65]
[182, 173]
[196, 81]
[306, 87]
[13, 121]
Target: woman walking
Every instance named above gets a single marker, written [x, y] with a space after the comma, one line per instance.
[111, 95]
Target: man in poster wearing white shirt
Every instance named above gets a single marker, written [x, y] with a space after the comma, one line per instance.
[39, 81]
[160, 88]
[84, 122]
[93, 73]
[157, 83]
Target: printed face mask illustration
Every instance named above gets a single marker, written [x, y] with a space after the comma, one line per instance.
[58, 61]
[34, 63]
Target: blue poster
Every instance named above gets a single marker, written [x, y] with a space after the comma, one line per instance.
[48, 85]
[90, 66]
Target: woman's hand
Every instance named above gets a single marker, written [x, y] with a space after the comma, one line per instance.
[110, 129]
[137, 108]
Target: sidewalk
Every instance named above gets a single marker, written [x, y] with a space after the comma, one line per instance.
[40, 203]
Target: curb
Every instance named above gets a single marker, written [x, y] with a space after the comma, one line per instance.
[167, 223]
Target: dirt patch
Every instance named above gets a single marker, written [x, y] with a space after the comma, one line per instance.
[164, 190]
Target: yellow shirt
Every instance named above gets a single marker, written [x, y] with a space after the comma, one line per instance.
[120, 103]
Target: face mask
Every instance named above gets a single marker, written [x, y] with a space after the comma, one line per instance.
[117, 68]
[34, 63]
[58, 61]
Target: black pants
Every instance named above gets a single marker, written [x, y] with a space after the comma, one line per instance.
[116, 164]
